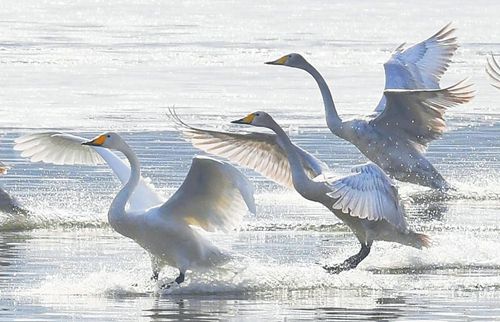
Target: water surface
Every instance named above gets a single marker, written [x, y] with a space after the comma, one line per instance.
[86, 66]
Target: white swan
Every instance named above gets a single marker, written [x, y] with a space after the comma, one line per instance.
[410, 114]
[213, 196]
[63, 148]
[367, 201]
[9, 204]
[493, 70]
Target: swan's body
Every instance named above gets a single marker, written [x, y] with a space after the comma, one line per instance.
[9, 204]
[213, 196]
[409, 115]
[493, 70]
[367, 201]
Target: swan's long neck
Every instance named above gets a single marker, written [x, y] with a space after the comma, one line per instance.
[117, 216]
[308, 188]
[332, 118]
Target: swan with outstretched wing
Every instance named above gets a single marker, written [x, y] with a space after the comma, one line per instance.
[410, 114]
[367, 201]
[213, 196]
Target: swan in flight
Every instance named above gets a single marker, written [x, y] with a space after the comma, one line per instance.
[213, 196]
[410, 114]
[493, 70]
[367, 201]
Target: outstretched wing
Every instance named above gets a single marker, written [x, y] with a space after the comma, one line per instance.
[493, 70]
[62, 148]
[57, 148]
[418, 115]
[369, 194]
[214, 195]
[420, 66]
[257, 151]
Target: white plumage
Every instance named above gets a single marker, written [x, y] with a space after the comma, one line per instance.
[258, 151]
[493, 70]
[214, 196]
[367, 201]
[409, 115]
[369, 194]
[66, 149]
[422, 65]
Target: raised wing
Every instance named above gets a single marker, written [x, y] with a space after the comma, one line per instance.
[257, 151]
[57, 148]
[418, 115]
[214, 195]
[369, 194]
[493, 70]
[422, 65]
[62, 148]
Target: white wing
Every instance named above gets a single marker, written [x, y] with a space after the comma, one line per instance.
[369, 194]
[214, 195]
[62, 148]
[421, 65]
[57, 148]
[418, 115]
[257, 151]
[493, 70]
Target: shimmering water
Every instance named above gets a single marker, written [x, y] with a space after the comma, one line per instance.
[88, 66]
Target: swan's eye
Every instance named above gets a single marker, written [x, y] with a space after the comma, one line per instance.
[108, 136]
[256, 114]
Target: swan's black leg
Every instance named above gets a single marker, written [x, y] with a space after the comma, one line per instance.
[178, 280]
[351, 262]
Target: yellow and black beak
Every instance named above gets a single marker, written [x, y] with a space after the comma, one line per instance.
[280, 61]
[246, 120]
[98, 141]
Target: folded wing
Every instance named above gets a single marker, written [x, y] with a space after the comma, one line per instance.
[257, 151]
[368, 194]
[422, 65]
[214, 196]
[66, 149]
[418, 115]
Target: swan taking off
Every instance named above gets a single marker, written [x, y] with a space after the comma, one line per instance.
[493, 70]
[410, 114]
[214, 195]
[366, 201]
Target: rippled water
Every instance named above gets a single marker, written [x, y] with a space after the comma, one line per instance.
[88, 66]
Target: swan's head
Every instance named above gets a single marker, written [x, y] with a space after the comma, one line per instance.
[3, 168]
[290, 60]
[109, 140]
[259, 118]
